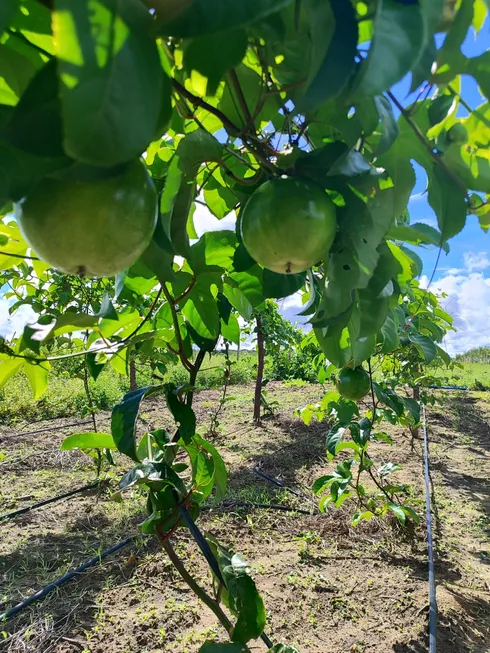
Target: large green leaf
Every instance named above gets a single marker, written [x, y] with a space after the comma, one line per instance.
[238, 300]
[231, 330]
[398, 41]
[8, 367]
[8, 9]
[418, 233]
[201, 310]
[124, 419]
[425, 345]
[448, 199]
[339, 63]
[36, 122]
[354, 255]
[110, 79]
[37, 375]
[88, 441]
[209, 16]
[16, 71]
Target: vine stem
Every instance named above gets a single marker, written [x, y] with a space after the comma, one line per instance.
[171, 302]
[147, 316]
[195, 587]
[22, 256]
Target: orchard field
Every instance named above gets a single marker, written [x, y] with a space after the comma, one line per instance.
[330, 586]
[324, 491]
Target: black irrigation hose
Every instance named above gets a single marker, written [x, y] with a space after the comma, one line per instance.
[64, 579]
[430, 546]
[268, 506]
[22, 511]
[275, 481]
[52, 428]
[447, 387]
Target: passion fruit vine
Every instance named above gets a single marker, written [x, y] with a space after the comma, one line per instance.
[93, 227]
[288, 225]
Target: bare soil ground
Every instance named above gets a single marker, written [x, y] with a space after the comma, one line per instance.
[328, 588]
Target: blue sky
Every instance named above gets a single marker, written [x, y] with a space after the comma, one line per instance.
[463, 274]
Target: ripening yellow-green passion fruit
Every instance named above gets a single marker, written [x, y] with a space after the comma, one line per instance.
[91, 227]
[353, 384]
[288, 225]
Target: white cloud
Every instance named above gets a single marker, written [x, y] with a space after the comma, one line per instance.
[204, 221]
[14, 325]
[467, 300]
[474, 261]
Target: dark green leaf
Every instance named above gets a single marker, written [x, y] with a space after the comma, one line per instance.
[8, 8]
[318, 163]
[88, 441]
[334, 436]
[124, 419]
[422, 70]
[36, 123]
[214, 647]
[210, 16]
[110, 79]
[242, 261]
[447, 198]
[339, 64]
[16, 71]
[389, 127]
[389, 398]
[182, 413]
[425, 345]
[439, 108]
[396, 47]
[281, 285]
[213, 56]
[203, 343]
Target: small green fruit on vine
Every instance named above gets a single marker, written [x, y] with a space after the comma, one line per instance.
[96, 227]
[288, 225]
[353, 384]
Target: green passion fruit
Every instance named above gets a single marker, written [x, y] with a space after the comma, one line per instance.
[353, 383]
[288, 225]
[88, 226]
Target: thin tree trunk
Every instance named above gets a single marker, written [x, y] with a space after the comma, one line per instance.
[132, 375]
[260, 371]
[238, 351]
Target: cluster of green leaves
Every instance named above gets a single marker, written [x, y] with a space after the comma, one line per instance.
[419, 324]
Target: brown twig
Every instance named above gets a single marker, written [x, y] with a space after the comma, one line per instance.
[22, 256]
[186, 363]
[200, 103]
